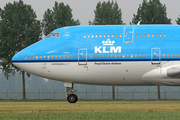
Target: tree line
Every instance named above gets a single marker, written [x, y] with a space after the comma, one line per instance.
[20, 28]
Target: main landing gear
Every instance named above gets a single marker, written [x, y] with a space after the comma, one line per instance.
[72, 98]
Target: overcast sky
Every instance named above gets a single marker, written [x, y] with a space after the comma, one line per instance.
[84, 9]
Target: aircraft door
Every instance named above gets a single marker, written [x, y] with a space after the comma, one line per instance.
[128, 34]
[155, 56]
[82, 57]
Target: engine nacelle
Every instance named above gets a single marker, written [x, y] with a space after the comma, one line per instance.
[173, 72]
[167, 75]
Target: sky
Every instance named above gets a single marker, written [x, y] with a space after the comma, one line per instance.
[84, 9]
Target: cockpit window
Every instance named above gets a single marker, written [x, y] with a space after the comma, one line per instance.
[53, 35]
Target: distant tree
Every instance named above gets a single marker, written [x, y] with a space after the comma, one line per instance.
[152, 12]
[18, 29]
[107, 13]
[60, 16]
[178, 21]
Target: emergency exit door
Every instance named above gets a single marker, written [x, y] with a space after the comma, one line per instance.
[82, 57]
[128, 34]
[155, 56]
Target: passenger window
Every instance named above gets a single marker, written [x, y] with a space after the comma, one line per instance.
[88, 36]
[172, 55]
[71, 56]
[100, 36]
[40, 57]
[136, 35]
[152, 35]
[140, 35]
[108, 35]
[51, 57]
[148, 35]
[119, 56]
[104, 35]
[167, 55]
[127, 56]
[59, 57]
[116, 35]
[68, 57]
[144, 35]
[32, 57]
[99, 56]
[160, 35]
[107, 56]
[123, 56]
[156, 35]
[63, 57]
[44, 57]
[48, 57]
[91, 56]
[143, 56]
[135, 56]
[96, 36]
[163, 56]
[139, 56]
[36, 57]
[111, 56]
[25, 57]
[115, 56]
[92, 36]
[84, 36]
[131, 56]
[55, 57]
[176, 55]
[164, 35]
[120, 35]
[103, 56]
[95, 56]
[112, 35]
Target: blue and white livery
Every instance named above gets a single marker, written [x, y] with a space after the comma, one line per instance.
[118, 55]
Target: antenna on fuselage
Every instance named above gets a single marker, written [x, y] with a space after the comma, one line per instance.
[139, 22]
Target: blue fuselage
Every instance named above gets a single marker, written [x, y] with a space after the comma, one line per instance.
[120, 43]
[135, 51]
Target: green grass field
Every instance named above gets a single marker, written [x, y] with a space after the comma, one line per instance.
[92, 116]
[91, 110]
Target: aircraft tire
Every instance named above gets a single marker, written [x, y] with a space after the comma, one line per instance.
[72, 98]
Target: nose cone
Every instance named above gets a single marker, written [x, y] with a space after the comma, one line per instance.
[16, 59]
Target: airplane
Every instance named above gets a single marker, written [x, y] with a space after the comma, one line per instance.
[110, 55]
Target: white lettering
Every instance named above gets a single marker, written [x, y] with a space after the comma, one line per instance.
[104, 50]
[115, 50]
[97, 49]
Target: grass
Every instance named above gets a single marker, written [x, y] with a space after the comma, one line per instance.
[92, 116]
[89, 106]
[93, 110]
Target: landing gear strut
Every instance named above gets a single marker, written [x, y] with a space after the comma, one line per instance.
[72, 98]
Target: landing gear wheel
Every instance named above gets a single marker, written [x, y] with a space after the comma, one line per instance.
[72, 98]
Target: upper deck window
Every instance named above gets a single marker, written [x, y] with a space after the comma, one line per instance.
[54, 35]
